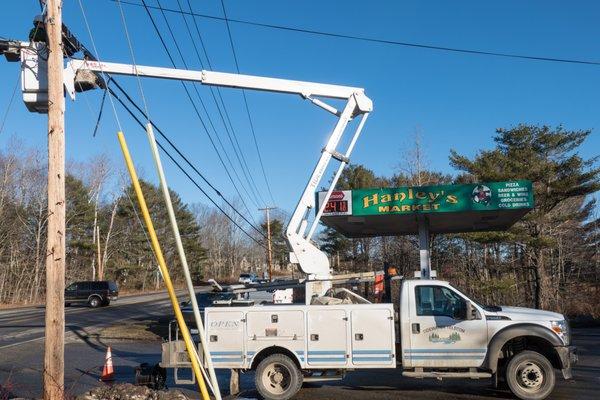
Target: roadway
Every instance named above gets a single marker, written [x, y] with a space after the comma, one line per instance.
[25, 325]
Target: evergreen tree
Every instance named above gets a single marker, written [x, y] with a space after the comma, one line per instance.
[279, 247]
[561, 178]
[135, 258]
[79, 223]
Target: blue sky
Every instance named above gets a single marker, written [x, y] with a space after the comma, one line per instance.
[455, 100]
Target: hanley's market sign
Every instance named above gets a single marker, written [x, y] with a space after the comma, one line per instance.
[492, 196]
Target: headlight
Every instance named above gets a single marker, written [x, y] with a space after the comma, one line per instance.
[561, 328]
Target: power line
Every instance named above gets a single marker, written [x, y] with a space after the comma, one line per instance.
[225, 111]
[253, 189]
[239, 154]
[139, 80]
[383, 41]
[112, 93]
[245, 167]
[255, 193]
[174, 147]
[189, 96]
[10, 102]
[89, 31]
[237, 67]
[141, 124]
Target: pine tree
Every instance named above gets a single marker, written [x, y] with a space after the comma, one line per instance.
[561, 178]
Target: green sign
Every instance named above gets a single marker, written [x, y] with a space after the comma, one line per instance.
[491, 196]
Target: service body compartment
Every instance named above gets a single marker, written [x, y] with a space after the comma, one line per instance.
[319, 336]
[276, 326]
[373, 341]
[225, 333]
[327, 337]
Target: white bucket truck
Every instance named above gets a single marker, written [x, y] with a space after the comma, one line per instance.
[442, 334]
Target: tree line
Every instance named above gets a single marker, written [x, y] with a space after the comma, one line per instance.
[549, 259]
[105, 236]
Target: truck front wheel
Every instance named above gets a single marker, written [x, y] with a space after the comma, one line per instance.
[530, 376]
[278, 378]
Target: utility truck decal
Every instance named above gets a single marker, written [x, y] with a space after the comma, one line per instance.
[451, 338]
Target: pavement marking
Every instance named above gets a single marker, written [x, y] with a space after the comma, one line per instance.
[76, 311]
[20, 343]
[69, 334]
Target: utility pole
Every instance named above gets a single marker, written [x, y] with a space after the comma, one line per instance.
[269, 252]
[55, 254]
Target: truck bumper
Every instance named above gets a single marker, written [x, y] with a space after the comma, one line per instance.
[568, 358]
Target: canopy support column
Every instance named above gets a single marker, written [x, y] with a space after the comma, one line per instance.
[424, 255]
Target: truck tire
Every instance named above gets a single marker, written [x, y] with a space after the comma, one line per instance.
[530, 376]
[94, 301]
[277, 378]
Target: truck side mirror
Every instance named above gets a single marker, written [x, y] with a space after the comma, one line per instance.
[471, 312]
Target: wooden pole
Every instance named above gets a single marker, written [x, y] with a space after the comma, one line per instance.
[55, 255]
[269, 252]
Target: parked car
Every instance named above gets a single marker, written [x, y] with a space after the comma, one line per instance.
[248, 278]
[204, 300]
[93, 293]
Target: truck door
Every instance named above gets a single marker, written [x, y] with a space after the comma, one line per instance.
[327, 337]
[84, 290]
[440, 334]
[372, 335]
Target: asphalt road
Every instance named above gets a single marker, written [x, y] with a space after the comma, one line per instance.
[21, 360]
[19, 327]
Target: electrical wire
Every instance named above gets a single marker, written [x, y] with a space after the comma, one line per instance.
[245, 170]
[139, 80]
[165, 151]
[189, 96]
[177, 150]
[111, 93]
[89, 31]
[100, 113]
[10, 102]
[237, 67]
[238, 151]
[384, 41]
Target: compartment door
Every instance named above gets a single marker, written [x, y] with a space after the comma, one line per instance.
[327, 337]
[373, 337]
[225, 337]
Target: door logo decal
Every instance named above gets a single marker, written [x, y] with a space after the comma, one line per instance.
[436, 334]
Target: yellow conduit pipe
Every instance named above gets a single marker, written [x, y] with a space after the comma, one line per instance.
[187, 338]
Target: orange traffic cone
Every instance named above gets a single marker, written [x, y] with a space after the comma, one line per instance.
[108, 373]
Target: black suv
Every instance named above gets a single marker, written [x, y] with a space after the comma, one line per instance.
[94, 293]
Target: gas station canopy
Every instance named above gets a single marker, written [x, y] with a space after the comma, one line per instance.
[491, 206]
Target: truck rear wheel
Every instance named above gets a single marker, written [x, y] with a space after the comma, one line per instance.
[530, 376]
[278, 378]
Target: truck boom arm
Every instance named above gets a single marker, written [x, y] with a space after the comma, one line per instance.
[311, 260]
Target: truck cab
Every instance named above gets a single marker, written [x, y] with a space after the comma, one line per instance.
[444, 333]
